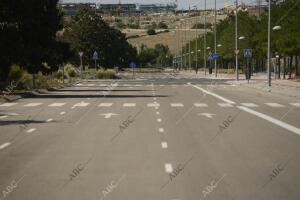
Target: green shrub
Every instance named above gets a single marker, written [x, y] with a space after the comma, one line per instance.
[70, 70]
[106, 74]
[151, 31]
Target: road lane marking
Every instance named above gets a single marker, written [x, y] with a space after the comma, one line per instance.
[177, 105]
[108, 115]
[250, 105]
[208, 115]
[295, 104]
[105, 104]
[213, 94]
[81, 104]
[153, 105]
[8, 104]
[49, 120]
[225, 105]
[200, 104]
[62, 113]
[31, 130]
[32, 104]
[3, 146]
[161, 130]
[164, 145]
[157, 113]
[158, 120]
[275, 105]
[56, 104]
[129, 104]
[3, 117]
[168, 168]
[272, 120]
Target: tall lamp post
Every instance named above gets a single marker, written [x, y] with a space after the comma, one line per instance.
[204, 53]
[215, 36]
[269, 44]
[236, 41]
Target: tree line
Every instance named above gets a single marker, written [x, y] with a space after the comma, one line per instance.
[253, 34]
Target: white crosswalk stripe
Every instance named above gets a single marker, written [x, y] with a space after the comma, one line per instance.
[200, 105]
[129, 104]
[81, 104]
[177, 105]
[225, 105]
[32, 104]
[105, 104]
[8, 104]
[250, 105]
[3, 117]
[168, 168]
[295, 104]
[153, 105]
[275, 105]
[56, 104]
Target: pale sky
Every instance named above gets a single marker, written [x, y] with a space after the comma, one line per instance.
[181, 3]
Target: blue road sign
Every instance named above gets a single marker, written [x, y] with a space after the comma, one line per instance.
[210, 56]
[247, 53]
[132, 65]
[216, 56]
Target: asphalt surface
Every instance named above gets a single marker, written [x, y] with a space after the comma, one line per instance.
[158, 137]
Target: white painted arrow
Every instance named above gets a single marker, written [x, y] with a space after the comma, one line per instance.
[208, 115]
[108, 115]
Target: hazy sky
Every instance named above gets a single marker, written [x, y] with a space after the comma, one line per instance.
[182, 3]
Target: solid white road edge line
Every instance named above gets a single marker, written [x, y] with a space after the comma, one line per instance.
[213, 94]
[272, 120]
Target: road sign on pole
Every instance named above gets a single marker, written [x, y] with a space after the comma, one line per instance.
[80, 53]
[210, 56]
[95, 56]
[237, 52]
[247, 53]
[215, 56]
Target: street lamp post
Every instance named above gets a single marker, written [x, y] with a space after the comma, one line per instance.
[204, 52]
[215, 37]
[236, 41]
[269, 44]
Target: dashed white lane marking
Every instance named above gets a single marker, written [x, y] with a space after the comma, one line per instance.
[32, 104]
[225, 105]
[102, 85]
[200, 104]
[168, 168]
[275, 105]
[250, 105]
[8, 104]
[153, 105]
[49, 120]
[177, 105]
[272, 120]
[295, 104]
[81, 104]
[31, 130]
[158, 113]
[79, 84]
[161, 130]
[213, 94]
[129, 104]
[62, 113]
[90, 85]
[158, 120]
[3, 117]
[164, 145]
[105, 104]
[56, 104]
[154, 99]
[3, 146]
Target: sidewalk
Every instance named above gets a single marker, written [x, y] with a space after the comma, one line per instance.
[258, 81]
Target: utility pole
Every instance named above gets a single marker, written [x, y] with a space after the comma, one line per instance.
[269, 45]
[215, 33]
[236, 41]
[204, 52]
[196, 51]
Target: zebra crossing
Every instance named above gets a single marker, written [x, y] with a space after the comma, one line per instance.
[155, 104]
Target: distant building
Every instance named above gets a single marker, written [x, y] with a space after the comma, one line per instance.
[71, 9]
[157, 8]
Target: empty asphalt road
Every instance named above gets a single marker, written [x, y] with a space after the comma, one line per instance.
[158, 137]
